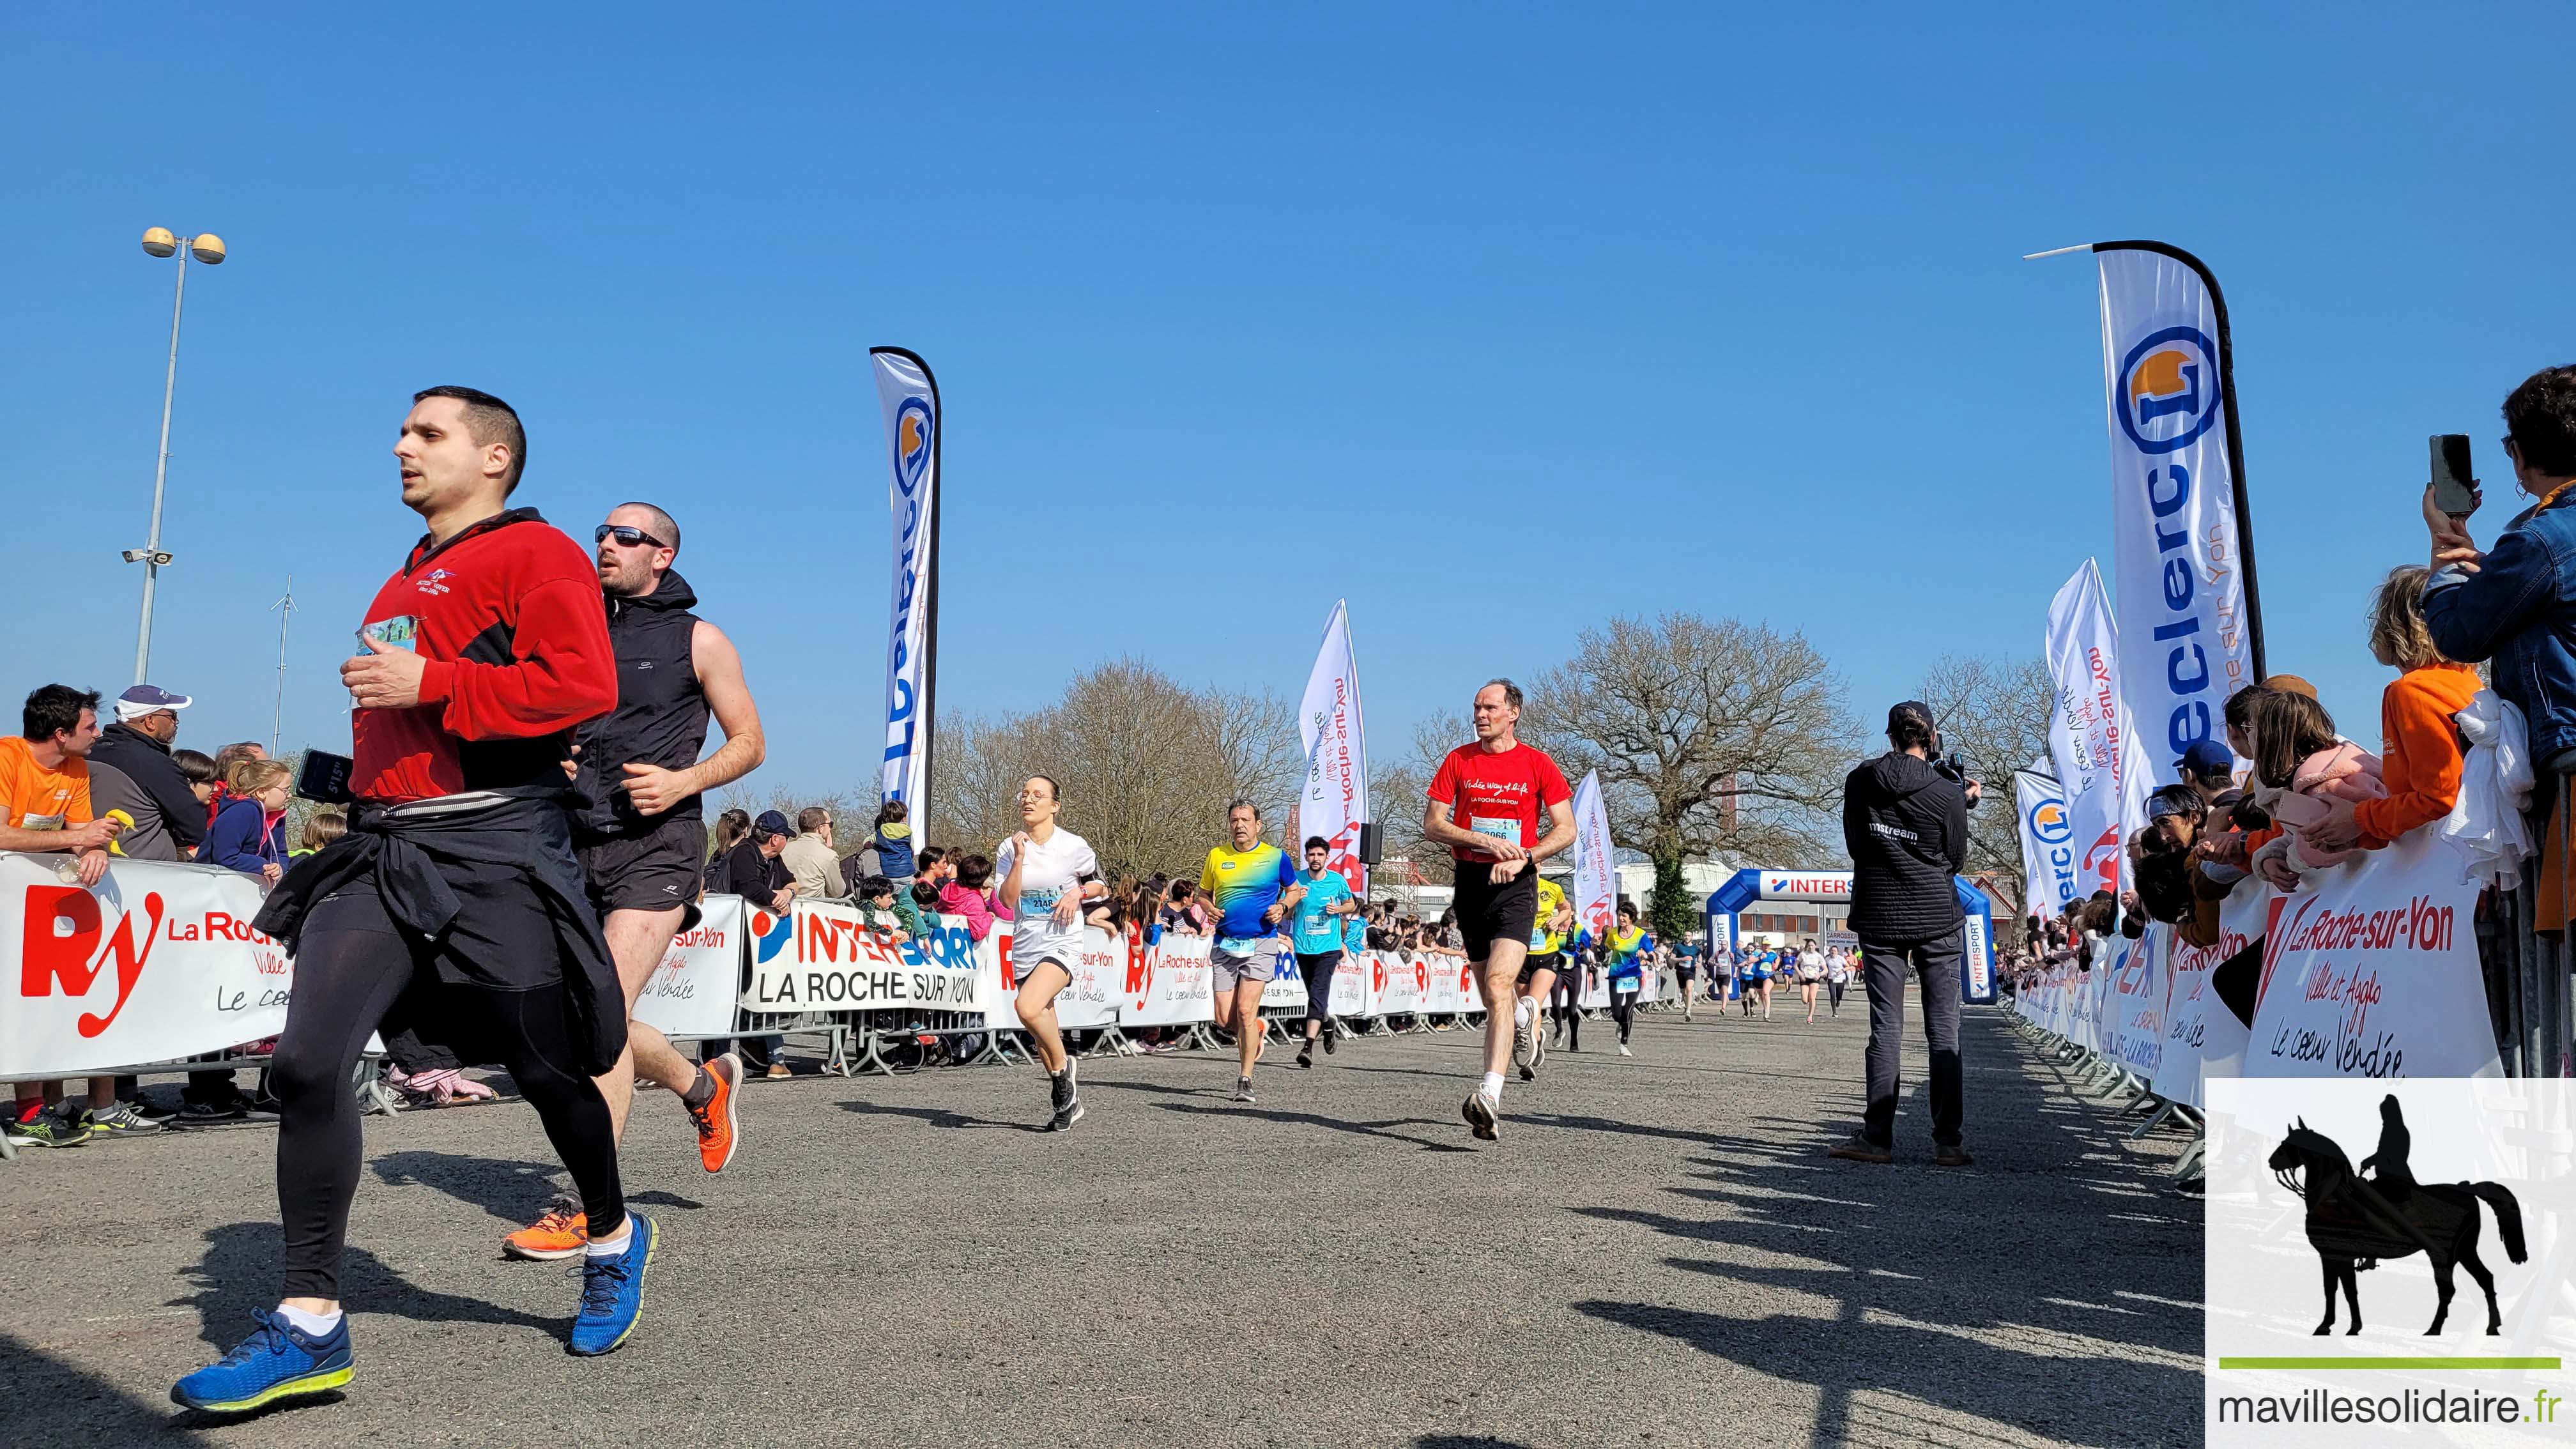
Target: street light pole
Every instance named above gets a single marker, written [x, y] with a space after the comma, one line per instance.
[207, 248]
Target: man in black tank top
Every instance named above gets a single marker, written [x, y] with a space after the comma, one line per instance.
[643, 840]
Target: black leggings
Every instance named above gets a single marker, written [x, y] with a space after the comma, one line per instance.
[351, 969]
[1565, 995]
[1623, 1009]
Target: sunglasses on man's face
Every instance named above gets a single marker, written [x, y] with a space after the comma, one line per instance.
[626, 537]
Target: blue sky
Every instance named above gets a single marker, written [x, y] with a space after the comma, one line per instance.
[1497, 320]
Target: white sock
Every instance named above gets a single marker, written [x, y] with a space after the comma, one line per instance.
[1493, 1088]
[319, 1325]
[614, 1244]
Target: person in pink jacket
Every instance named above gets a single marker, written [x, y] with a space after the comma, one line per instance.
[2309, 771]
[965, 896]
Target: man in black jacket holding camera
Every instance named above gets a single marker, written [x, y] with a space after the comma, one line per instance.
[1905, 824]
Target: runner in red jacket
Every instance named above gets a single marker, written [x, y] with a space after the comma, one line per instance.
[454, 906]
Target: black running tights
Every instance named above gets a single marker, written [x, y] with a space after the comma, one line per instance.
[348, 974]
[1623, 1009]
[1566, 993]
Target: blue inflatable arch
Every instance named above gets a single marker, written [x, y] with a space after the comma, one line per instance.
[1745, 887]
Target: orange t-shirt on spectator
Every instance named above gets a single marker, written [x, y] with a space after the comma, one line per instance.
[35, 798]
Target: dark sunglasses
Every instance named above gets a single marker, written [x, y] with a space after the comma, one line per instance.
[630, 537]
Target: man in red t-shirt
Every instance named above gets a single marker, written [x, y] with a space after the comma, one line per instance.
[1485, 806]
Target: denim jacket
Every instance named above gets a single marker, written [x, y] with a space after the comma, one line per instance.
[2518, 611]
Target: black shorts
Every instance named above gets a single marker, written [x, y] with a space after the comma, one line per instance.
[656, 871]
[1552, 961]
[1488, 912]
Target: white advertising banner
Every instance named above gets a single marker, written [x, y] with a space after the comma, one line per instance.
[155, 962]
[1170, 984]
[909, 398]
[2373, 972]
[2186, 644]
[2048, 872]
[1287, 986]
[1349, 993]
[2100, 765]
[2201, 1035]
[829, 959]
[2133, 1014]
[1328, 729]
[691, 994]
[1596, 881]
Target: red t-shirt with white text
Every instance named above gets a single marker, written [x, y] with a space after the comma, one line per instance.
[1498, 794]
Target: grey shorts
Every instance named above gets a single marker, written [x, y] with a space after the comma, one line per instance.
[1227, 968]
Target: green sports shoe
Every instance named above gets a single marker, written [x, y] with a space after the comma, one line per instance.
[120, 1120]
[47, 1129]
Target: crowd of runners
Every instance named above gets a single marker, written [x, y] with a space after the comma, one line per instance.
[525, 836]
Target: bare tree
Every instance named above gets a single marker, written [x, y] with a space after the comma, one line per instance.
[1994, 713]
[1711, 739]
[1146, 767]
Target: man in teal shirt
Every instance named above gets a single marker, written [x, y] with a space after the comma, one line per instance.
[1319, 940]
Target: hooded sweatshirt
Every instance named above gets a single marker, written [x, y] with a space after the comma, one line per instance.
[1906, 828]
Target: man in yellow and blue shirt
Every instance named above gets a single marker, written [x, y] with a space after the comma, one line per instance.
[1253, 885]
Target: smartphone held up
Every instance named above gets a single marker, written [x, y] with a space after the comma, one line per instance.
[2454, 481]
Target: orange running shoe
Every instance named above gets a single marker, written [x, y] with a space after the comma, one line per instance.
[719, 1118]
[563, 1232]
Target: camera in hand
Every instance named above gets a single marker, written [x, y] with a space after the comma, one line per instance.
[1954, 768]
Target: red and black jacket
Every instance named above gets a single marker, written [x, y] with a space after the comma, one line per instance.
[507, 615]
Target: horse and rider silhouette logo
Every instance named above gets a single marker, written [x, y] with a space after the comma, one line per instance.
[2357, 1221]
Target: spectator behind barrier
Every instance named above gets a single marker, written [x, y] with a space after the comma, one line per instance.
[2513, 606]
[132, 772]
[893, 842]
[2310, 770]
[325, 826]
[812, 864]
[965, 896]
[249, 835]
[225, 758]
[730, 828]
[2420, 751]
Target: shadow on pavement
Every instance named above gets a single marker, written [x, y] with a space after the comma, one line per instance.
[238, 1276]
[51, 1402]
[514, 1192]
[1986, 1293]
[938, 1117]
[1337, 1124]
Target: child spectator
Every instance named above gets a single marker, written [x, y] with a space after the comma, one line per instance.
[893, 841]
[965, 895]
[249, 833]
[325, 826]
[2422, 755]
[2309, 772]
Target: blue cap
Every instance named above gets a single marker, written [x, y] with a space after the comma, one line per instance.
[145, 699]
[771, 823]
[2209, 759]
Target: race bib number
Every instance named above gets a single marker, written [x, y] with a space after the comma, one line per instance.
[1238, 945]
[1507, 827]
[402, 631]
[1538, 938]
[1037, 905]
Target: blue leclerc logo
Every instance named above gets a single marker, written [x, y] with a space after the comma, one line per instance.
[913, 435]
[2048, 823]
[2167, 391]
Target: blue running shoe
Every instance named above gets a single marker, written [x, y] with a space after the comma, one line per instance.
[612, 1291]
[280, 1361]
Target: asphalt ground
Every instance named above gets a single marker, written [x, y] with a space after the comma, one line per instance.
[1656, 1252]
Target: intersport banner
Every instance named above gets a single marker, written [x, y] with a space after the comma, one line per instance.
[1328, 726]
[909, 399]
[2100, 764]
[1595, 878]
[2050, 882]
[2189, 636]
[2373, 972]
[826, 957]
[155, 962]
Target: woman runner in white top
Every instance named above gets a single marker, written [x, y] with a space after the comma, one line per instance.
[1046, 876]
[1811, 975]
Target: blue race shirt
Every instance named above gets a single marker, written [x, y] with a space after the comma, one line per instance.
[1355, 933]
[1317, 932]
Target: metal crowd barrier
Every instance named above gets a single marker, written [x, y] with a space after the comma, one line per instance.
[2527, 971]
